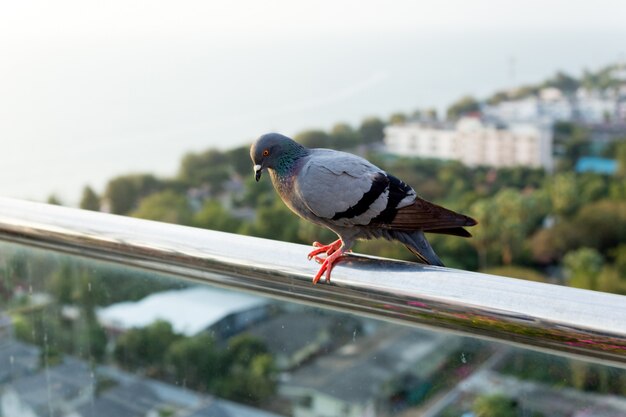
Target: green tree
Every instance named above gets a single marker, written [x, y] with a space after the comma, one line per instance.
[243, 349]
[63, 283]
[123, 193]
[505, 220]
[213, 216]
[571, 141]
[398, 118]
[583, 267]
[210, 167]
[620, 154]
[564, 194]
[619, 255]
[462, 106]
[276, 222]
[602, 224]
[343, 136]
[251, 376]
[90, 200]
[314, 139]
[372, 130]
[239, 160]
[89, 341]
[15, 271]
[495, 405]
[253, 384]
[610, 280]
[498, 97]
[196, 360]
[54, 200]
[165, 206]
[257, 194]
[145, 347]
[563, 82]
[550, 245]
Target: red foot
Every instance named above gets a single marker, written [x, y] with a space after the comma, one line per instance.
[328, 265]
[329, 249]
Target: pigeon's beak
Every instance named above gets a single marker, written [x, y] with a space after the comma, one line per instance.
[257, 172]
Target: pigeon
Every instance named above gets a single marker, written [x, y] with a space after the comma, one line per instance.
[352, 197]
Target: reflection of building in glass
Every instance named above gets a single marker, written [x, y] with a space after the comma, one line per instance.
[16, 358]
[55, 390]
[369, 376]
[189, 311]
[75, 389]
[474, 142]
[294, 337]
[6, 328]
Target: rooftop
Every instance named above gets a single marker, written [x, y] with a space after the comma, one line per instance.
[358, 371]
[57, 385]
[17, 359]
[597, 165]
[288, 333]
[189, 311]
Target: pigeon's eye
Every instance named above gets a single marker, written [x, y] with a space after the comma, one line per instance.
[266, 152]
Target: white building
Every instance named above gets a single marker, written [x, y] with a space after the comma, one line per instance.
[549, 107]
[595, 106]
[189, 311]
[474, 143]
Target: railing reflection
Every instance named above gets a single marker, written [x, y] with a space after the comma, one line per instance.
[539, 315]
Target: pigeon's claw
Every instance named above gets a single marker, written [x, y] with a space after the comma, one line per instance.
[328, 265]
[328, 249]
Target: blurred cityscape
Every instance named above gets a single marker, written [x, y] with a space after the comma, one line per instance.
[543, 169]
[81, 338]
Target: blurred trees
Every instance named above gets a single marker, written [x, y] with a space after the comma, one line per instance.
[506, 219]
[463, 106]
[496, 405]
[398, 118]
[584, 266]
[372, 130]
[210, 167]
[243, 372]
[620, 155]
[313, 139]
[343, 136]
[250, 374]
[196, 360]
[89, 199]
[563, 82]
[166, 206]
[215, 217]
[123, 193]
[54, 200]
[571, 141]
[145, 347]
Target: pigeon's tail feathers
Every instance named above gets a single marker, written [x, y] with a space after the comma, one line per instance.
[416, 242]
[424, 215]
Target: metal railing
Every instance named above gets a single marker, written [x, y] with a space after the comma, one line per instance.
[562, 319]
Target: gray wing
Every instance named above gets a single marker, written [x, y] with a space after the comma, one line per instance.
[342, 188]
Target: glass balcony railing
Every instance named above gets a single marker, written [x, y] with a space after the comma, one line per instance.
[102, 315]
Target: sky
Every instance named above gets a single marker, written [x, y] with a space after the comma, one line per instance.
[90, 90]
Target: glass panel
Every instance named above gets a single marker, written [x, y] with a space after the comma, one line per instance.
[84, 338]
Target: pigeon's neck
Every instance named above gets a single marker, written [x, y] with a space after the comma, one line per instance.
[288, 161]
[285, 170]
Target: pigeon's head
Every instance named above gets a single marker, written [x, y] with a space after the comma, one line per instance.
[272, 149]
